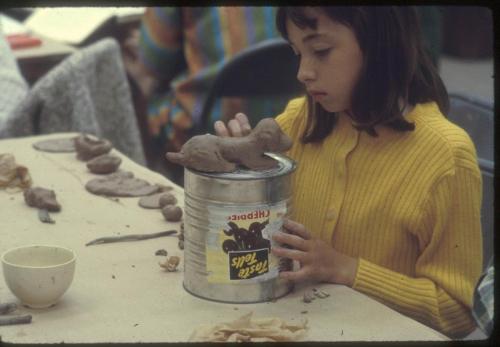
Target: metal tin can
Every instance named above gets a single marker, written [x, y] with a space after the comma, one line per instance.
[228, 224]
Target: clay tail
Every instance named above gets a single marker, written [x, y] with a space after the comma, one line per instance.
[177, 158]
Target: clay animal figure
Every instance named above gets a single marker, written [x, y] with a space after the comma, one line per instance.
[212, 153]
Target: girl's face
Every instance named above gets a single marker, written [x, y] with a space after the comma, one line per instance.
[330, 60]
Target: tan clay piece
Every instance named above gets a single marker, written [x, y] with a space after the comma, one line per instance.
[172, 213]
[248, 329]
[12, 175]
[88, 147]
[171, 263]
[120, 184]
[104, 164]
[42, 198]
[64, 145]
[154, 201]
[212, 153]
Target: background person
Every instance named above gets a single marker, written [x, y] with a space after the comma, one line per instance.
[179, 51]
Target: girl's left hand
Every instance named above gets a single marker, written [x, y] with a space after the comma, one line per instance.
[318, 260]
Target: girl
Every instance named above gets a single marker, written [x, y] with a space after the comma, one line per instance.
[387, 193]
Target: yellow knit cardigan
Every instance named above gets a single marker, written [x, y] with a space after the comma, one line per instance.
[406, 204]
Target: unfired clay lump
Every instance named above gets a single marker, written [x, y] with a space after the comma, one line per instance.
[42, 198]
[155, 200]
[121, 184]
[104, 164]
[167, 199]
[88, 147]
[172, 213]
[212, 153]
[64, 145]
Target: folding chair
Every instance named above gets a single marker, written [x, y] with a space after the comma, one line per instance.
[476, 116]
[268, 68]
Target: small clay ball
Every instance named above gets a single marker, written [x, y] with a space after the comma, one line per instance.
[172, 213]
[167, 199]
[88, 147]
[104, 164]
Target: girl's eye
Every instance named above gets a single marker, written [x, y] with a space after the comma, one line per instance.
[322, 52]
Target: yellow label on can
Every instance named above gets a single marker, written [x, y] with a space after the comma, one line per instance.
[239, 241]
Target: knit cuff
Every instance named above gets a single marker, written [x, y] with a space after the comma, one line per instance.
[385, 284]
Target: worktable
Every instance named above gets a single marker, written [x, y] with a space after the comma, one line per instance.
[120, 294]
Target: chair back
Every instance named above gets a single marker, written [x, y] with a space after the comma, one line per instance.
[476, 116]
[268, 68]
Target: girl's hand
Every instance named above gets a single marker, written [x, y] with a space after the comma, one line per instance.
[318, 260]
[236, 127]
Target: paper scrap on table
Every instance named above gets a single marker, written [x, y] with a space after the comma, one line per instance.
[246, 329]
[13, 177]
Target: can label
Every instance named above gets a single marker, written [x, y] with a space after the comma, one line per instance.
[239, 241]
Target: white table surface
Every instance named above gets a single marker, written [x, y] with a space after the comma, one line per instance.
[143, 303]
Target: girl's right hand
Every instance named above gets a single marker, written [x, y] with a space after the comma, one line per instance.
[237, 127]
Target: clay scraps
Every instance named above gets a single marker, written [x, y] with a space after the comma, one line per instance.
[310, 295]
[210, 153]
[171, 263]
[246, 329]
[13, 177]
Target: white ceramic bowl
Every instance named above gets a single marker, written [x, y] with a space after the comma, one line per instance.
[38, 275]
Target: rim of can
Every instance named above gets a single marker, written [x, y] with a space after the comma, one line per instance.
[285, 166]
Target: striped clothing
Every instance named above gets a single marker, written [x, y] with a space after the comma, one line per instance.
[484, 300]
[183, 47]
[406, 204]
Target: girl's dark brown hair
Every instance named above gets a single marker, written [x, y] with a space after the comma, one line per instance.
[396, 66]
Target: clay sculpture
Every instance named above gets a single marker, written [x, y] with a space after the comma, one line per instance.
[104, 164]
[88, 147]
[212, 153]
[42, 198]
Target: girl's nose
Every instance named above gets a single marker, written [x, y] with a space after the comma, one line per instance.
[306, 73]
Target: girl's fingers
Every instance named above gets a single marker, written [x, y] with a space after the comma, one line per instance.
[234, 128]
[295, 276]
[244, 123]
[293, 254]
[296, 228]
[220, 129]
[295, 241]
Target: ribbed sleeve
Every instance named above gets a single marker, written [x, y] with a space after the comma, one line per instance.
[406, 204]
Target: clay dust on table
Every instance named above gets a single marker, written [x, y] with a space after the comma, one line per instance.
[210, 153]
